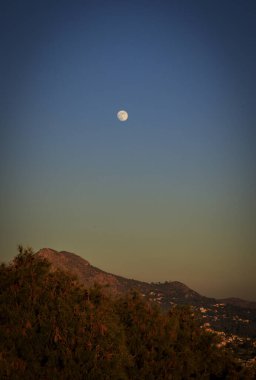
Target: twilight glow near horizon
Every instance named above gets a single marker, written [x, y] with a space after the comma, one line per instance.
[170, 194]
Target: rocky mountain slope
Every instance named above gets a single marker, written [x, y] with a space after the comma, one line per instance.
[165, 293]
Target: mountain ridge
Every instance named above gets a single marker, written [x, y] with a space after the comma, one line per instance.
[232, 316]
[165, 293]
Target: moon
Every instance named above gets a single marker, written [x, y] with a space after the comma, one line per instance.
[122, 115]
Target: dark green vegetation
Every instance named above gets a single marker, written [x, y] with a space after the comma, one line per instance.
[54, 328]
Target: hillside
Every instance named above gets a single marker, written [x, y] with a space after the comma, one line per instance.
[165, 293]
[232, 315]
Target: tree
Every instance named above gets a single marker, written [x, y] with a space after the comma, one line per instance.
[49, 330]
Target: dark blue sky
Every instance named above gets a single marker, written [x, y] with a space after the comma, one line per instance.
[167, 195]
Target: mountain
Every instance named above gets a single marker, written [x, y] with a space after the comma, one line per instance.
[231, 315]
[165, 293]
[74, 264]
[238, 302]
[232, 318]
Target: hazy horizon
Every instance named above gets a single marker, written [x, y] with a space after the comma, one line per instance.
[170, 194]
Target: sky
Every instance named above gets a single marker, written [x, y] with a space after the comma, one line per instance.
[170, 194]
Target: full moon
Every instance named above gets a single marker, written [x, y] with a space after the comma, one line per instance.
[122, 115]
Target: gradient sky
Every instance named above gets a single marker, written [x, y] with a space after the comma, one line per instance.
[171, 193]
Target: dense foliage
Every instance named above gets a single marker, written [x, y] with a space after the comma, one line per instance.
[53, 328]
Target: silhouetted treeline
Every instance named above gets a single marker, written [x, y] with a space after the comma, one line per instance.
[53, 328]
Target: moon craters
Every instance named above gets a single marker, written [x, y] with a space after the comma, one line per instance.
[122, 115]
